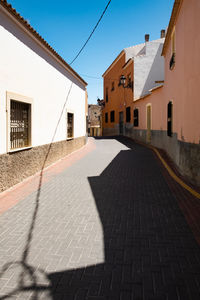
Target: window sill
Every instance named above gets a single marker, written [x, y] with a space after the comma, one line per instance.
[70, 138]
[20, 149]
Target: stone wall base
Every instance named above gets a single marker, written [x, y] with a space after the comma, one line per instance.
[185, 155]
[111, 131]
[18, 165]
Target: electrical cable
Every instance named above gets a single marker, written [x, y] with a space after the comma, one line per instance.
[91, 33]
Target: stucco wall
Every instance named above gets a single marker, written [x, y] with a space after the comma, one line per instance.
[148, 68]
[17, 166]
[120, 97]
[27, 69]
[182, 83]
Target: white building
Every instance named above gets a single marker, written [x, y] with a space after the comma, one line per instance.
[148, 65]
[42, 100]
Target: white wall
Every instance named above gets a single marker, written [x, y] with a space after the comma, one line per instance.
[148, 68]
[27, 69]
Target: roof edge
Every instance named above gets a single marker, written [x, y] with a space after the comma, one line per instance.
[174, 14]
[113, 63]
[8, 7]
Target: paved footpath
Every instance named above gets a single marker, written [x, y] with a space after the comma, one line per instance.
[103, 225]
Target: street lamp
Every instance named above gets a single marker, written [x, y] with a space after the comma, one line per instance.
[122, 80]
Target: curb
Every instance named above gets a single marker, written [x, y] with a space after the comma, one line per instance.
[170, 171]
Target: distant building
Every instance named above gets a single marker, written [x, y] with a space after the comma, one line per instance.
[42, 99]
[142, 68]
[94, 120]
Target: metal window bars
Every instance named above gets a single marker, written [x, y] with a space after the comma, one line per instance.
[19, 124]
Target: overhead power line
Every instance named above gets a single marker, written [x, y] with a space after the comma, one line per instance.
[91, 33]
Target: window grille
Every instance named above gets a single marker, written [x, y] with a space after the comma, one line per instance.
[70, 125]
[19, 124]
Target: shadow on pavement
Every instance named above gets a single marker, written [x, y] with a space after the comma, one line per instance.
[149, 250]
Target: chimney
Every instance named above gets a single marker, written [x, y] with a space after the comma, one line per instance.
[146, 37]
[162, 34]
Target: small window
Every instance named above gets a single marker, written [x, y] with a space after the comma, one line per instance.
[173, 50]
[129, 84]
[106, 117]
[113, 86]
[136, 117]
[70, 125]
[20, 124]
[128, 114]
[119, 82]
[169, 118]
[106, 94]
[112, 116]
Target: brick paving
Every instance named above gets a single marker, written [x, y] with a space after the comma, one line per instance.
[106, 226]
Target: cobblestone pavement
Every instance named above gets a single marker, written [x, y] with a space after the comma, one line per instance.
[106, 227]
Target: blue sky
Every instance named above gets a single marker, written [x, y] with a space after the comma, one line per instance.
[66, 25]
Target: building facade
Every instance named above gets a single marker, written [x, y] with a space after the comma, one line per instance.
[42, 101]
[94, 120]
[142, 67]
[167, 115]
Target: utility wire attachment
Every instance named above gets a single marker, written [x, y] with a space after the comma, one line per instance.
[91, 33]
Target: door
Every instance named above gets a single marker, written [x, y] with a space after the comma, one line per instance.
[121, 122]
[148, 123]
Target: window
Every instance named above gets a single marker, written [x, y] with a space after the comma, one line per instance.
[119, 82]
[106, 117]
[19, 110]
[113, 86]
[173, 50]
[169, 118]
[70, 125]
[19, 124]
[106, 94]
[129, 83]
[112, 116]
[136, 117]
[128, 114]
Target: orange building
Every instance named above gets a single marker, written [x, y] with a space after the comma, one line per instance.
[118, 99]
[128, 78]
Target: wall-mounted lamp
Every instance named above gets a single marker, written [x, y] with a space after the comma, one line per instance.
[122, 81]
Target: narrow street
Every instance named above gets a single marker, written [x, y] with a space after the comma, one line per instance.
[104, 224]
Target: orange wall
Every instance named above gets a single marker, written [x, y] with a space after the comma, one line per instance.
[121, 97]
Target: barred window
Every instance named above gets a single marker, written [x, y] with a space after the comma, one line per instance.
[20, 124]
[70, 125]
